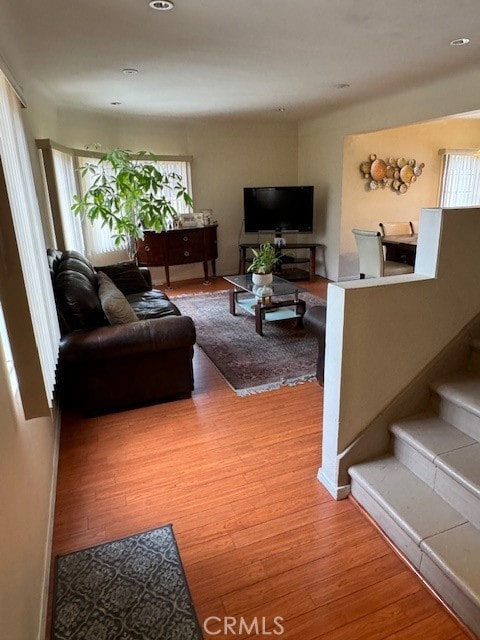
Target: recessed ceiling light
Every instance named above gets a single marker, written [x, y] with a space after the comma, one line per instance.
[281, 109]
[459, 42]
[115, 104]
[130, 72]
[161, 5]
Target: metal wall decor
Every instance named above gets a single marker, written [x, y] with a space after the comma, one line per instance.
[398, 174]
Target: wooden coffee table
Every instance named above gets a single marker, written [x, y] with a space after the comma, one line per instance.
[280, 303]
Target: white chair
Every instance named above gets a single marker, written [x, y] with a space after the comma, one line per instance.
[370, 254]
[396, 228]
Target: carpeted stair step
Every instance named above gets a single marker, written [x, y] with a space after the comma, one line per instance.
[457, 400]
[439, 542]
[444, 458]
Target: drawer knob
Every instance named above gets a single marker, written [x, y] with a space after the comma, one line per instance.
[185, 238]
[186, 254]
[147, 248]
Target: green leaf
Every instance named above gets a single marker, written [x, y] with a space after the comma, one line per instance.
[129, 195]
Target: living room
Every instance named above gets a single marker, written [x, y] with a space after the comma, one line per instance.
[229, 153]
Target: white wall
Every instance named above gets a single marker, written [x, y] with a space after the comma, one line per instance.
[382, 332]
[27, 463]
[227, 156]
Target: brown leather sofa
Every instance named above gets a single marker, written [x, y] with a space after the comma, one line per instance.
[314, 321]
[103, 367]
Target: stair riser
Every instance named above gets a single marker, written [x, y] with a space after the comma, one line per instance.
[437, 539]
[387, 524]
[467, 610]
[458, 497]
[446, 486]
[436, 577]
[457, 416]
[415, 461]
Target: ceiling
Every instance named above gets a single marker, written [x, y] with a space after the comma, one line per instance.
[234, 58]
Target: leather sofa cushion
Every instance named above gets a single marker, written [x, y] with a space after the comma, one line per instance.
[78, 301]
[152, 304]
[72, 264]
[114, 303]
[126, 276]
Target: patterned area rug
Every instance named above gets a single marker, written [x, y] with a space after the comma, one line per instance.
[130, 589]
[250, 363]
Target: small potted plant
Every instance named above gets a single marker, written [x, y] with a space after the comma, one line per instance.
[263, 263]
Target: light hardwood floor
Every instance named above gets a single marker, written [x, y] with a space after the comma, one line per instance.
[258, 534]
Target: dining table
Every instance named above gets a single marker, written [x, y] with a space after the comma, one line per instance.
[401, 248]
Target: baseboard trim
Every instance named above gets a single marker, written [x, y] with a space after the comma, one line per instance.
[42, 625]
[339, 493]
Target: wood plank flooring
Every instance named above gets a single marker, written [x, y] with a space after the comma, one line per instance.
[258, 534]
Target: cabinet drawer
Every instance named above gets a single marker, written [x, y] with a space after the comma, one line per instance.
[180, 246]
[151, 250]
[185, 246]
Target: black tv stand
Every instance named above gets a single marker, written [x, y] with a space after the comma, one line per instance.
[288, 271]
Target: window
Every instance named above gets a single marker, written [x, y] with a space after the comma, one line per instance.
[460, 185]
[35, 300]
[64, 167]
[64, 180]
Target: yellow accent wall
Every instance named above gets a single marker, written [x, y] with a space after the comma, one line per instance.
[365, 209]
[321, 149]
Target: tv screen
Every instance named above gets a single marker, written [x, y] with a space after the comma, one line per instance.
[278, 209]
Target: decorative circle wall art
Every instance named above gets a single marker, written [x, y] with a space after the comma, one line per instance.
[398, 174]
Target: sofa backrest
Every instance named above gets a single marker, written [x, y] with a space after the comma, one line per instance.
[75, 287]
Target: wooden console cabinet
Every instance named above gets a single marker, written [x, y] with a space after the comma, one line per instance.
[179, 246]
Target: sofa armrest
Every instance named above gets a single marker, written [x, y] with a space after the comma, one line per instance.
[128, 340]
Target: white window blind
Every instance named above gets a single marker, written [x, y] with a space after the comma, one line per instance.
[66, 188]
[460, 185]
[98, 239]
[183, 169]
[97, 236]
[28, 230]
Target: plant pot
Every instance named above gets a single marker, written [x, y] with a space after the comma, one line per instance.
[261, 279]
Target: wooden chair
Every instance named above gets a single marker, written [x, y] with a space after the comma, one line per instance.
[396, 228]
[371, 259]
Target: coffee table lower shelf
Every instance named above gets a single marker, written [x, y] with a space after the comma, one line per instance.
[285, 310]
[271, 315]
[281, 303]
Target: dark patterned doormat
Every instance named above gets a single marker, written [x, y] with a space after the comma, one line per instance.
[129, 589]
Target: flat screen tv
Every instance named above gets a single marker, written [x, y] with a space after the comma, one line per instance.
[278, 209]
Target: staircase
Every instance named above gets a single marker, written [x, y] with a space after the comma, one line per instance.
[425, 495]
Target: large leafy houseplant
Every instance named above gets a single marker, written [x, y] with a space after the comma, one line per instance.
[129, 194]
